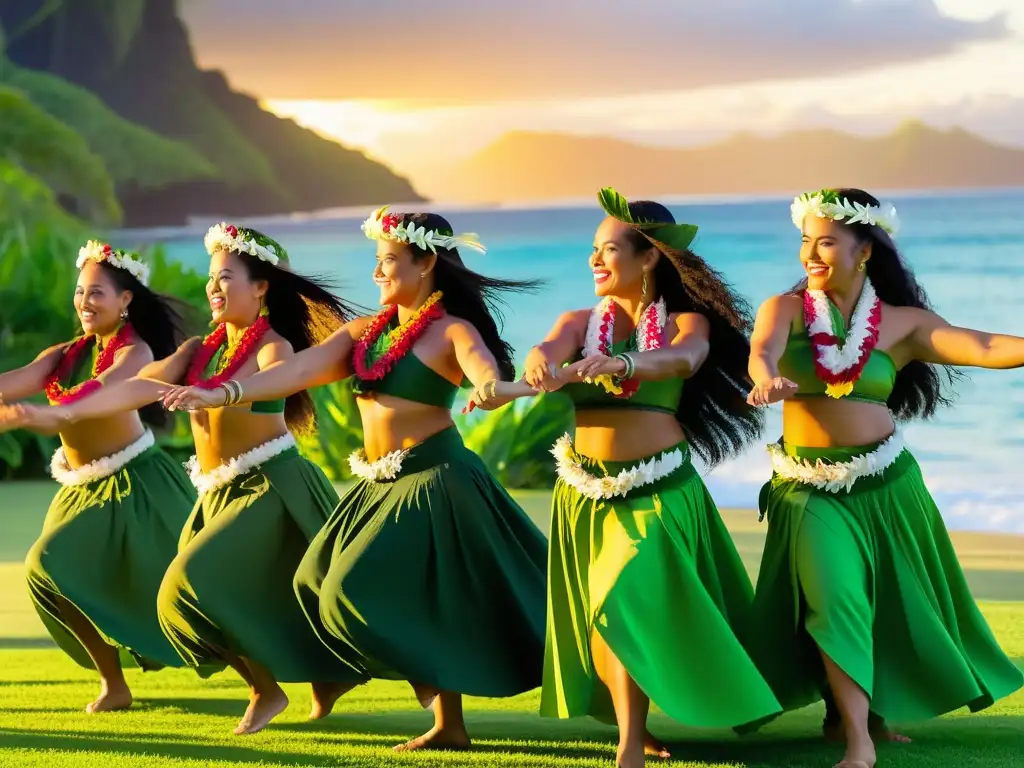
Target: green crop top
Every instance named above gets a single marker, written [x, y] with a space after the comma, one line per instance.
[263, 406]
[797, 364]
[409, 378]
[662, 396]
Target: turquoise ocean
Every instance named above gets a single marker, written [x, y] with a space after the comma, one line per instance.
[966, 248]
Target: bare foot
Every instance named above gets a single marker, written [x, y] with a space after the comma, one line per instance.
[325, 696]
[263, 709]
[859, 755]
[111, 699]
[880, 732]
[655, 748]
[629, 757]
[246, 720]
[438, 738]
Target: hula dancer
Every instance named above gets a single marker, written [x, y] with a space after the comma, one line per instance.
[860, 589]
[112, 528]
[428, 571]
[227, 597]
[646, 592]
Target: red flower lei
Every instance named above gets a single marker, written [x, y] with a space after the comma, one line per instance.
[650, 334]
[234, 357]
[402, 338]
[57, 393]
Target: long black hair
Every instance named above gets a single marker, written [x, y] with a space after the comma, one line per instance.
[157, 320]
[919, 389]
[475, 298]
[305, 311]
[713, 410]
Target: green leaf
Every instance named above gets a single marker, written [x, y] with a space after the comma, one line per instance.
[615, 205]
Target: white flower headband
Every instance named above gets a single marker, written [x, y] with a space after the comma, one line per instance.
[228, 237]
[96, 251]
[388, 226]
[825, 204]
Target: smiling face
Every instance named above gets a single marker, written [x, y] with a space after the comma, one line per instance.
[98, 300]
[831, 254]
[617, 266]
[234, 297]
[398, 275]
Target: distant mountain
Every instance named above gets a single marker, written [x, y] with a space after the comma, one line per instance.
[545, 166]
[177, 140]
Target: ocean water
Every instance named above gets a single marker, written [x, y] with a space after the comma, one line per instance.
[967, 249]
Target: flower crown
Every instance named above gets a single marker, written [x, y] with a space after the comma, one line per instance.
[825, 204]
[228, 237]
[389, 226]
[96, 251]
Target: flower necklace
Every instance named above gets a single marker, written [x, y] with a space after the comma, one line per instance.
[57, 393]
[839, 364]
[400, 339]
[235, 356]
[649, 334]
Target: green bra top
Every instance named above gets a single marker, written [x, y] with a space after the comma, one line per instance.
[264, 406]
[409, 378]
[662, 396]
[797, 364]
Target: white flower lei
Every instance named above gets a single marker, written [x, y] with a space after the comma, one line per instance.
[386, 467]
[425, 238]
[572, 473]
[96, 251]
[595, 344]
[814, 204]
[226, 473]
[839, 476]
[842, 357]
[219, 237]
[101, 468]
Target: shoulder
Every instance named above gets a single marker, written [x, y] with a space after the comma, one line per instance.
[274, 346]
[457, 328]
[575, 317]
[189, 346]
[689, 322]
[358, 326]
[911, 317]
[789, 303]
[136, 352]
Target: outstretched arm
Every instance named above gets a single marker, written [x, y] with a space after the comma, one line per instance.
[29, 379]
[281, 376]
[480, 367]
[544, 361]
[933, 340]
[767, 343]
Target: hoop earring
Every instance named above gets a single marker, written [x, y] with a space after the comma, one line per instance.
[862, 266]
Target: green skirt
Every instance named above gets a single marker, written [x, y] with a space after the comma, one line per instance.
[104, 548]
[870, 577]
[229, 590]
[436, 577]
[657, 575]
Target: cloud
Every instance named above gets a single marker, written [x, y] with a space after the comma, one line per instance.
[472, 51]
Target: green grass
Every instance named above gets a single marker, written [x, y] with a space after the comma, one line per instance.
[180, 721]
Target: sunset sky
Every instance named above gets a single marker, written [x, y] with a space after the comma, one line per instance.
[420, 88]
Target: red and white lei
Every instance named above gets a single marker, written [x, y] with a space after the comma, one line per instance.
[839, 364]
[650, 333]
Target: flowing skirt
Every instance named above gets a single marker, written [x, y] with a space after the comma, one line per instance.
[657, 575]
[104, 548]
[229, 590]
[870, 577]
[436, 577]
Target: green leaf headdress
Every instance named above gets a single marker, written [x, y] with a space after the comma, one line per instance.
[231, 238]
[665, 237]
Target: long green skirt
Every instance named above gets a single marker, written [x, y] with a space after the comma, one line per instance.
[870, 577]
[229, 590]
[436, 577]
[104, 548]
[657, 575]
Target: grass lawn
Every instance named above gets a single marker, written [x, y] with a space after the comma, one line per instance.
[179, 720]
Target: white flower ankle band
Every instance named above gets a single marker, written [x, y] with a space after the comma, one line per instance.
[826, 204]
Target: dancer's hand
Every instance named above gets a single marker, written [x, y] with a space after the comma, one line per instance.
[771, 391]
[541, 373]
[38, 418]
[591, 368]
[193, 398]
[494, 394]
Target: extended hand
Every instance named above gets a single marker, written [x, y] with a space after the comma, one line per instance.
[38, 418]
[590, 368]
[771, 391]
[541, 373]
[193, 399]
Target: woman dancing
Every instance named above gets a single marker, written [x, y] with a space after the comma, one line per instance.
[113, 527]
[227, 597]
[860, 588]
[646, 591]
[428, 571]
